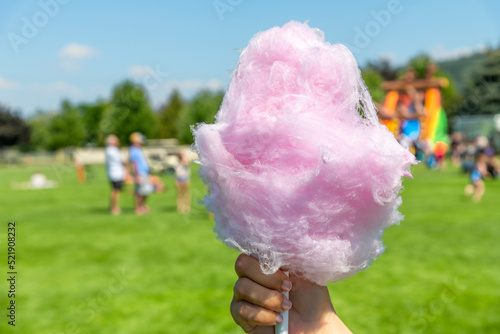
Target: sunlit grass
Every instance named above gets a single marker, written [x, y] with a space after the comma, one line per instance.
[82, 270]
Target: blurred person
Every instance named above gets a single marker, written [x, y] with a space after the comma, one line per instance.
[457, 148]
[492, 165]
[182, 183]
[211, 215]
[140, 172]
[420, 147]
[410, 108]
[476, 188]
[158, 185]
[481, 143]
[429, 154]
[116, 171]
[440, 149]
[469, 157]
[80, 169]
[483, 146]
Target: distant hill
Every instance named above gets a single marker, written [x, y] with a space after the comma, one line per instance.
[460, 69]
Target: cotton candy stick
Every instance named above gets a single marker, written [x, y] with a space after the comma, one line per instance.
[282, 328]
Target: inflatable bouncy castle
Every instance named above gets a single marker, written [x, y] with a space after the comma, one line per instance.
[431, 125]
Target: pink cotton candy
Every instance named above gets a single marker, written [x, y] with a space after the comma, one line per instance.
[298, 178]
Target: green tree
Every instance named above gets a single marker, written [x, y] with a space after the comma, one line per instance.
[373, 81]
[201, 109]
[169, 116]
[92, 114]
[14, 131]
[483, 93]
[129, 111]
[66, 128]
[384, 67]
[40, 129]
[420, 64]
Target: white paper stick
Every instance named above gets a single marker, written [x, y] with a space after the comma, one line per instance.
[282, 328]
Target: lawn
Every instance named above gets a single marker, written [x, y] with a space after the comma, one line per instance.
[81, 270]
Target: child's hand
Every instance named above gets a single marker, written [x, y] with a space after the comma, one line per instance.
[258, 301]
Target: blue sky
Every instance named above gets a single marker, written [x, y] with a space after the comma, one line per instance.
[76, 49]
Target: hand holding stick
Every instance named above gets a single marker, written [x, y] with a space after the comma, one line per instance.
[258, 302]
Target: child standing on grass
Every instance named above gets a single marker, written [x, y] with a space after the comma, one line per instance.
[140, 171]
[182, 176]
[116, 171]
[476, 188]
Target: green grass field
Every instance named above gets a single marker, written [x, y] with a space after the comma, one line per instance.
[81, 270]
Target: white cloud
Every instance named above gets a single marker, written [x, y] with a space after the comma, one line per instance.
[77, 51]
[139, 71]
[73, 53]
[440, 52]
[191, 84]
[214, 84]
[7, 84]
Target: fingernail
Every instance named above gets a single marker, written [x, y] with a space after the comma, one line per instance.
[287, 286]
[279, 319]
[287, 304]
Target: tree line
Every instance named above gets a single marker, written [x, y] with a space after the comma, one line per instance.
[128, 109]
[87, 124]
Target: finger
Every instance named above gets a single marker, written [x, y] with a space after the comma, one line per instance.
[247, 290]
[248, 316]
[247, 266]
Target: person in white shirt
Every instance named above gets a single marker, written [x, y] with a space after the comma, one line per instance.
[182, 176]
[116, 171]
